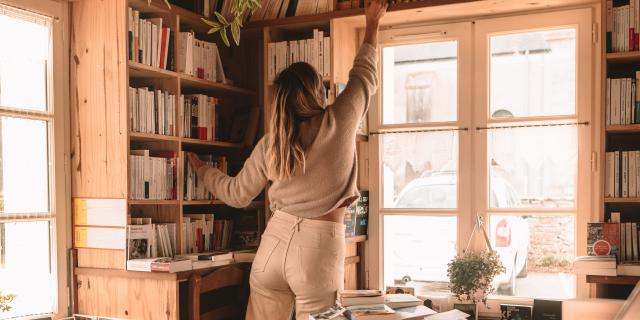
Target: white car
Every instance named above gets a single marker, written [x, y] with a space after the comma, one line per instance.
[510, 233]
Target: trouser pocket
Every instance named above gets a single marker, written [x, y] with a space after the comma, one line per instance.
[267, 246]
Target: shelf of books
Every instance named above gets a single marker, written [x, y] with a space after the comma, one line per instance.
[614, 265]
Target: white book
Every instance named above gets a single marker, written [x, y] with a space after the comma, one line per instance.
[616, 164]
[629, 269]
[634, 241]
[637, 177]
[608, 102]
[100, 238]
[629, 243]
[623, 242]
[609, 175]
[596, 272]
[402, 300]
[625, 174]
[615, 101]
[632, 174]
[628, 102]
[100, 212]
[326, 46]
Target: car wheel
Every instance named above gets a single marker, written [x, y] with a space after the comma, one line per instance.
[523, 272]
[406, 279]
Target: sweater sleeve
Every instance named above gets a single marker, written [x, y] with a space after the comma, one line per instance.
[240, 190]
[351, 105]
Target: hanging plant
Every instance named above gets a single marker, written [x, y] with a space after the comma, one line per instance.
[222, 24]
[5, 301]
[471, 275]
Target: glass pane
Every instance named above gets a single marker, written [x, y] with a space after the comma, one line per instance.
[417, 250]
[25, 268]
[537, 252]
[420, 83]
[533, 74]
[24, 175]
[23, 64]
[533, 167]
[420, 170]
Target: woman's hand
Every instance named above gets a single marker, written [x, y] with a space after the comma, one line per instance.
[373, 13]
[194, 161]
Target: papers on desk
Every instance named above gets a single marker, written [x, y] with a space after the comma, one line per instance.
[449, 315]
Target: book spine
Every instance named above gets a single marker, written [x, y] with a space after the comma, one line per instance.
[625, 174]
[616, 164]
[609, 24]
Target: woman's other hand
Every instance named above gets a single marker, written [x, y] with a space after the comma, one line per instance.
[194, 161]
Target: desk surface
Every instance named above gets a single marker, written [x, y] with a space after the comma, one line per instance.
[178, 276]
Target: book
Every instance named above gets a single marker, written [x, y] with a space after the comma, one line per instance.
[515, 312]
[334, 312]
[448, 315]
[544, 309]
[469, 308]
[362, 214]
[244, 256]
[163, 264]
[401, 300]
[152, 111]
[603, 239]
[360, 312]
[148, 40]
[139, 241]
[359, 293]
[364, 300]
[314, 51]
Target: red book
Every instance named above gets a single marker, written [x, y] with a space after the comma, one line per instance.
[603, 239]
[163, 48]
[201, 73]
[202, 133]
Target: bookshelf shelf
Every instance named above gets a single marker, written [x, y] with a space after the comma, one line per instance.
[192, 83]
[197, 142]
[624, 280]
[622, 200]
[623, 57]
[139, 136]
[143, 71]
[154, 202]
[629, 128]
[201, 202]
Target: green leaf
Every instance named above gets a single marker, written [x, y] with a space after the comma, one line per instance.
[235, 33]
[256, 3]
[213, 24]
[223, 35]
[221, 18]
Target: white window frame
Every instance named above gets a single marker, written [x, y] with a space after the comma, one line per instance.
[59, 145]
[472, 184]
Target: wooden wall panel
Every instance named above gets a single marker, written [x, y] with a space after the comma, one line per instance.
[98, 75]
[127, 297]
[101, 258]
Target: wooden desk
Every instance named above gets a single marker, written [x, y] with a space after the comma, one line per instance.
[153, 295]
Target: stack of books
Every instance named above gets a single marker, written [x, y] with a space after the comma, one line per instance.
[622, 102]
[315, 51]
[289, 8]
[152, 175]
[374, 305]
[194, 189]
[199, 116]
[199, 58]
[356, 217]
[152, 111]
[622, 174]
[623, 24]
[595, 265]
[150, 240]
[197, 233]
[149, 42]
[164, 264]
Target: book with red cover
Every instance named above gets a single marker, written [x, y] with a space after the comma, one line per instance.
[603, 239]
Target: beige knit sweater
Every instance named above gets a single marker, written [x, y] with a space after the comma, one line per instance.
[329, 180]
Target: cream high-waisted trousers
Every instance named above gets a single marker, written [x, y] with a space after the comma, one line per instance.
[300, 262]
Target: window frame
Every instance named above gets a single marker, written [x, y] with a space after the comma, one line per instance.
[57, 117]
[473, 143]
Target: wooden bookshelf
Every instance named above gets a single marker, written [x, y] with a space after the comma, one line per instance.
[622, 200]
[153, 202]
[222, 144]
[139, 136]
[623, 57]
[625, 128]
[615, 138]
[621, 280]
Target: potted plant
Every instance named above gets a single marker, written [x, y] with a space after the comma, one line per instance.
[5, 300]
[471, 275]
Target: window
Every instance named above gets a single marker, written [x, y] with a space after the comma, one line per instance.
[29, 161]
[515, 149]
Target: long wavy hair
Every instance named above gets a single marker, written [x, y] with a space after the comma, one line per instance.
[298, 96]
